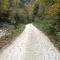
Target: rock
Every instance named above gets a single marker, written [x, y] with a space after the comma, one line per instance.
[3, 33]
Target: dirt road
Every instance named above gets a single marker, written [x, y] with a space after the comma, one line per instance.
[32, 44]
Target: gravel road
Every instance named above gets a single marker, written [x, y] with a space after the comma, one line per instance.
[32, 44]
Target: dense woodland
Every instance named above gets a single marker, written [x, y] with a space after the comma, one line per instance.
[45, 14]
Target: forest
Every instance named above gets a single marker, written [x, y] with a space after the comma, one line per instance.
[44, 14]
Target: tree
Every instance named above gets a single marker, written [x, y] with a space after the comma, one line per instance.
[54, 9]
[35, 11]
[4, 5]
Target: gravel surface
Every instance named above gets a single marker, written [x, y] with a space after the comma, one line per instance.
[32, 44]
[2, 33]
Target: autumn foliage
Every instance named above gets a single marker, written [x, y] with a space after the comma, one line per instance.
[54, 9]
